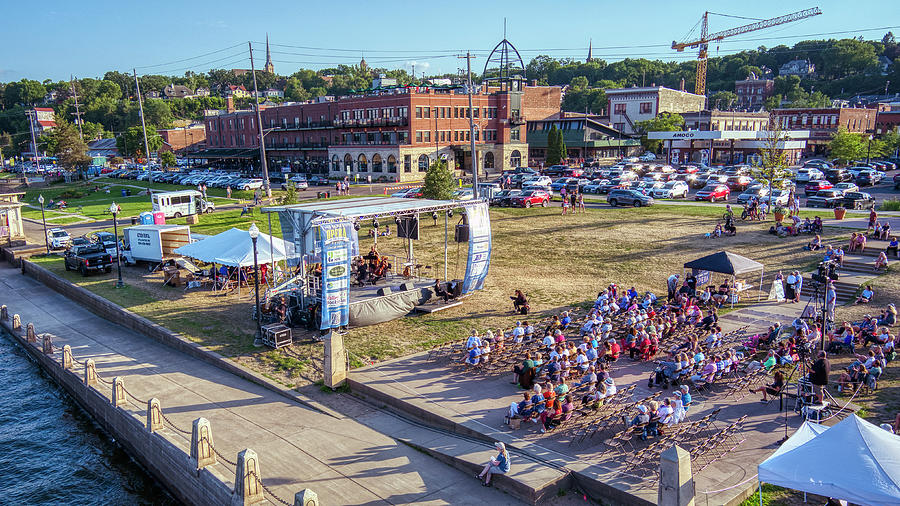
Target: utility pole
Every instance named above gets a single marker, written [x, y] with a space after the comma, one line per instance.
[262, 141]
[137, 86]
[77, 112]
[31, 119]
[468, 58]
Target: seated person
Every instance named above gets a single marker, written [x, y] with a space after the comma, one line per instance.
[516, 409]
[817, 225]
[888, 316]
[892, 247]
[772, 389]
[838, 255]
[565, 321]
[866, 295]
[881, 262]
[885, 231]
[440, 289]
[771, 361]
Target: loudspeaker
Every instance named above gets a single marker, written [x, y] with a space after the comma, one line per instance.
[408, 228]
[405, 287]
[462, 233]
[384, 290]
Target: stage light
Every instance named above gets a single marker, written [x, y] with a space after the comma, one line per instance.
[356, 225]
[434, 216]
[449, 213]
[375, 222]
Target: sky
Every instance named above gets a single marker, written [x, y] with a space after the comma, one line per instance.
[54, 39]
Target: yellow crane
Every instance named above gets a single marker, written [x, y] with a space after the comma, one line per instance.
[703, 42]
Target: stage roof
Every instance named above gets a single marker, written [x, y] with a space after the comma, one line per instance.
[369, 207]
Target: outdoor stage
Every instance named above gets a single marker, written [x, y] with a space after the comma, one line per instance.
[445, 396]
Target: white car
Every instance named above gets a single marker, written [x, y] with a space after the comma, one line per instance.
[846, 187]
[462, 194]
[299, 184]
[671, 190]
[58, 238]
[807, 174]
[544, 181]
[251, 184]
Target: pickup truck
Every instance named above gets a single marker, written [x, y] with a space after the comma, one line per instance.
[858, 200]
[90, 258]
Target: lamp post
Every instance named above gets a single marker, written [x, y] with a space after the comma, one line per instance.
[114, 209]
[254, 235]
[868, 149]
[44, 222]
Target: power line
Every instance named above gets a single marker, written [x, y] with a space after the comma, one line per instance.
[191, 58]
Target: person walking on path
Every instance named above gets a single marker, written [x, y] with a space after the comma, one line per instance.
[228, 191]
[497, 465]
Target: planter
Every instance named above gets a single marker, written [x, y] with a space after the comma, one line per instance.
[839, 213]
[779, 217]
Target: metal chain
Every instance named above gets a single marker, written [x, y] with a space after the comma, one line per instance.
[217, 452]
[110, 383]
[172, 425]
[132, 396]
[272, 494]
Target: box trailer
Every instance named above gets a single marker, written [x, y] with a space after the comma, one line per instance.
[153, 243]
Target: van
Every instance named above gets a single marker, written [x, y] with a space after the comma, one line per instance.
[181, 203]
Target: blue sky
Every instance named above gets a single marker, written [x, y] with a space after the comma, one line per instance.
[56, 38]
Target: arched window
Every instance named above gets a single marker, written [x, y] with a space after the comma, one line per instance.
[335, 163]
[363, 163]
[376, 163]
[489, 160]
[348, 162]
[515, 158]
[392, 163]
[423, 163]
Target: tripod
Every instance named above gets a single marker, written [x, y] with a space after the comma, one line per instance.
[802, 365]
[820, 312]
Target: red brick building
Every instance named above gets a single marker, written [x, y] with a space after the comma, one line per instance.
[752, 93]
[390, 134]
[823, 123]
[183, 140]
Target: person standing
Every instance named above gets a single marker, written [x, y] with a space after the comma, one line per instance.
[256, 197]
[830, 302]
[873, 219]
[672, 285]
[228, 191]
[581, 202]
[818, 375]
[789, 286]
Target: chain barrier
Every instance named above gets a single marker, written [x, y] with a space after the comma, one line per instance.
[110, 383]
[132, 396]
[227, 461]
[172, 425]
[272, 494]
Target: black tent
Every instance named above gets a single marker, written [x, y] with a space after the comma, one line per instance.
[727, 263]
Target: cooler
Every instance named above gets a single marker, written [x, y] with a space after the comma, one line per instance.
[146, 218]
[159, 218]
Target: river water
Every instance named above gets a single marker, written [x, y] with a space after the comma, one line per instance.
[50, 450]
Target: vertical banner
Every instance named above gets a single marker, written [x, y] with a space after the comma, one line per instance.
[675, 156]
[336, 242]
[289, 232]
[479, 260]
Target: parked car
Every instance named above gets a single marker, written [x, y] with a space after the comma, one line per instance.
[610, 184]
[78, 242]
[858, 200]
[645, 187]
[319, 181]
[623, 197]
[555, 170]
[837, 175]
[108, 240]
[528, 187]
[713, 192]
[868, 177]
[90, 258]
[531, 198]
[806, 174]
[404, 192]
[825, 198]
[537, 180]
[671, 190]
[560, 183]
[58, 238]
[738, 183]
[897, 181]
[813, 186]
[594, 186]
[755, 191]
[462, 194]
[846, 187]
[503, 198]
[298, 185]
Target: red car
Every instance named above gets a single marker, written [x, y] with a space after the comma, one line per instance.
[531, 198]
[814, 186]
[713, 192]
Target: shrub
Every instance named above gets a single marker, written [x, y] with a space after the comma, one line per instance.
[890, 205]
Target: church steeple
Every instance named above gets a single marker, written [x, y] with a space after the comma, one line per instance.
[269, 67]
[590, 57]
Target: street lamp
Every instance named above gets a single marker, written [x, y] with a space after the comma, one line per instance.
[869, 149]
[254, 235]
[114, 209]
[44, 222]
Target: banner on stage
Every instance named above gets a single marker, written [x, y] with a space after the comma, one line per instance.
[336, 242]
[479, 260]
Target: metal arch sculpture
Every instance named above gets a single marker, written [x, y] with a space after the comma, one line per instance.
[499, 67]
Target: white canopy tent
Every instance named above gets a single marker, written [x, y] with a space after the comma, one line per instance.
[854, 460]
[235, 248]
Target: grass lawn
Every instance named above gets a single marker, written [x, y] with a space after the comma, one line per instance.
[35, 214]
[66, 220]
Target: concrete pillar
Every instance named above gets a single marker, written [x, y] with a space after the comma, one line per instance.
[67, 360]
[201, 443]
[306, 497]
[247, 481]
[29, 332]
[17, 322]
[90, 373]
[676, 485]
[119, 397]
[154, 415]
[47, 344]
[4, 313]
[335, 360]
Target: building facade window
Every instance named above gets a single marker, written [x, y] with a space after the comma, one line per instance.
[514, 135]
[418, 136]
[392, 164]
[619, 109]
[335, 163]
[515, 158]
[423, 163]
[407, 163]
[348, 162]
[488, 159]
[363, 163]
[376, 163]
[646, 107]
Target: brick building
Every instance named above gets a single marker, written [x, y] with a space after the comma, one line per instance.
[183, 140]
[628, 106]
[391, 134]
[726, 120]
[824, 122]
[752, 93]
[887, 121]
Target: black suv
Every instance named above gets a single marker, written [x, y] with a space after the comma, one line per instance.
[835, 176]
[628, 198]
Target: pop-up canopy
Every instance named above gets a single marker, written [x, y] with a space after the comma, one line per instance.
[726, 263]
[235, 248]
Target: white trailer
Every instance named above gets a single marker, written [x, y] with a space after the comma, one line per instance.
[181, 203]
[153, 243]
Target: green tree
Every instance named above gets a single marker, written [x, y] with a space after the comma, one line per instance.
[167, 159]
[891, 142]
[771, 167]
[92, 130]
[846, 146]
[561, 147]
[439, 181]
[723, 100]
[69, 148]
[848, 56]
[290, 195]
[663, 122]
[25, 92]
[551, 156]
[131, 142]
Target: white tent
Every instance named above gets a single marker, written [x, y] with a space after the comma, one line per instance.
[235, 248]
[854, 460]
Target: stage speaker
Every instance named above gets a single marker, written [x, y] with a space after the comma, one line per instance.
[386, 290]
[408, 228]
[405, 287]
[462, 233]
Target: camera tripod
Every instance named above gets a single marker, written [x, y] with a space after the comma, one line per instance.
[819, 311]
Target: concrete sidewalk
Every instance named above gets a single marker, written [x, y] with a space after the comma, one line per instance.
[344, 459]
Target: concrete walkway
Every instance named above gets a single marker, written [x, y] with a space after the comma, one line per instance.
[344, 459]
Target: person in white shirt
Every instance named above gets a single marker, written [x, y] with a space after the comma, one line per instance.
[609, 387]
[548, 341]
[666, 412]
[518, 332]
[473, 340]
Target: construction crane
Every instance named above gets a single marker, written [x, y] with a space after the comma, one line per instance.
[703, 42]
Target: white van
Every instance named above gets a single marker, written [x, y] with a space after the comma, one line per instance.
[181, 203]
